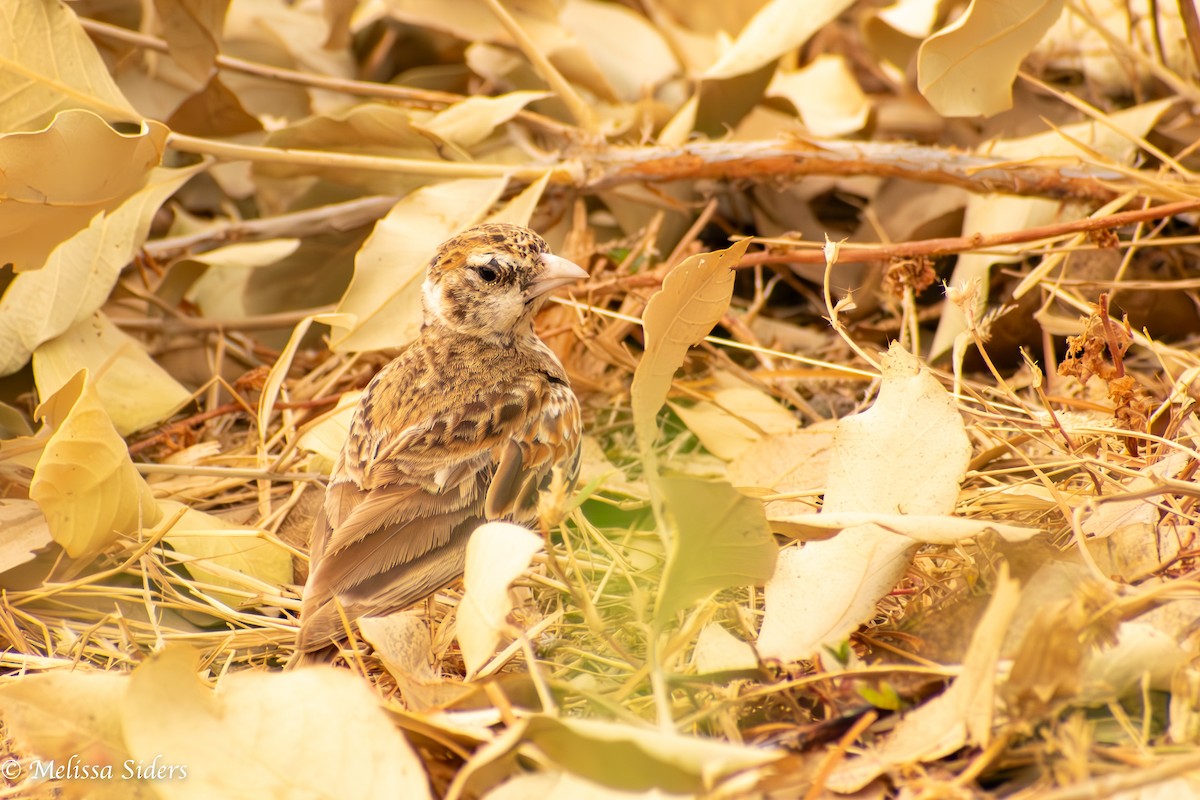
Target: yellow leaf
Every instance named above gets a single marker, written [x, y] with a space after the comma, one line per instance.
[468, 122]
[967, 68]
[134, 390]
[906, 454]
[213, 549]
[85, 482]
[80, 272]
[735, 418]
[497, 554]
[315, 732]
[55, 180]
[826, 94]
[779, 27]
[48, 64]
[692, 300]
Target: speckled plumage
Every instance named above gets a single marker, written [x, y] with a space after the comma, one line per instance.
[464, 427]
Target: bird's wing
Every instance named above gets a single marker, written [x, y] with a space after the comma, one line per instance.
[548, 437]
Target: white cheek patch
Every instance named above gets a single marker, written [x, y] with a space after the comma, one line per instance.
[431, 293]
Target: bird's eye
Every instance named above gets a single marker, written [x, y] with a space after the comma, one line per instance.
[488, 273]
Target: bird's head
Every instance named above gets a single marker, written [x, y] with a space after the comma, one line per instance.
[490, 280]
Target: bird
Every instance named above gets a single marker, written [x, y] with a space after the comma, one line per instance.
[465, 426]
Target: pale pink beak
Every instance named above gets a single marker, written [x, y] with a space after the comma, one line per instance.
[557, 272]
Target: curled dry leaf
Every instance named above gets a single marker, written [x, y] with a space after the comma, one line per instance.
[308, 732]
[904, 455]
[967, 68]
[55, 180]
[497, 554]
[85, 482]
[693, 297]
[37, 81]
[826, 94]
[403, 644]
[80, 272]
[134, 390]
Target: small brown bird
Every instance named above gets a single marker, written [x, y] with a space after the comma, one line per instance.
[463, 428]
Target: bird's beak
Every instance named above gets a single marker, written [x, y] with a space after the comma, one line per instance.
[556, 272]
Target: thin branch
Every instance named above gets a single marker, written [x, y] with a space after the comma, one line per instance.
[979, 241]
[387, 91]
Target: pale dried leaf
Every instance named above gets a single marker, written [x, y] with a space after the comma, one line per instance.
[134, 390]
[192, 30]
[649, 758]
[25, 533]
[718, 650]
[80, 272]
[632, 54]
[826, 94]
[49, 64]
[905, 455]
[64, 714]
[961, 715]
[220, 293]
[967, 68]
[470, 121]
[307, 733]
[212, 549]
[779, 27]
[555, 785]
[694, 296]
[923, 528]
[55, 180]
[403, 644]
[735, 418]
[497, 554]
[329, 433]
[85, 482]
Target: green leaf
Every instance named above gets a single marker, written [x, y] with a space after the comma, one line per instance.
[718, 538]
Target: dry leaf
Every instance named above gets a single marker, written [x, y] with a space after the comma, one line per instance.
[779, 27]
[693, 298]
[904, 455]
[497, 554]
[737, 416]
[134, 390]
[65, 715]
[967, 68]
[80, 272]
[468, 122]
[959, 716]
[48, 64]
[403, 644]
[310, 732]
[649, 759]
[85, 482]
[55, 180]
[826, 94]
[217, 553]
[718, 650]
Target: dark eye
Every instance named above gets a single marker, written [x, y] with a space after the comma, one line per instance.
[488, 273]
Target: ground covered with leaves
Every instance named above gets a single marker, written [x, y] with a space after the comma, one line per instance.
[888, 357]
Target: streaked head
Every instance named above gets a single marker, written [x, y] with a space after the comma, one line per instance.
[490, 280]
